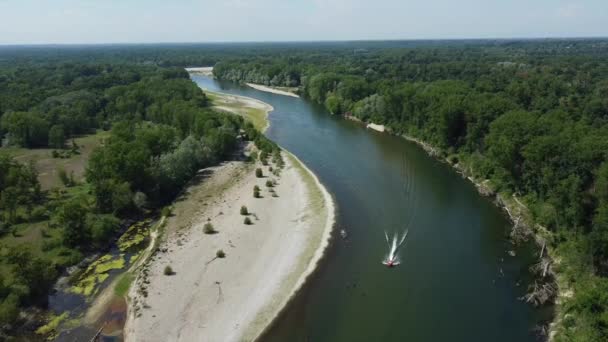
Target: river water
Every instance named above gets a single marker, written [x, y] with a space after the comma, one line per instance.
[456, 282]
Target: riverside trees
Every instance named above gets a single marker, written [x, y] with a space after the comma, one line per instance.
[530, 116]
[162, 133]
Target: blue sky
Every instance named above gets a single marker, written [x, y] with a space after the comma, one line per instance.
[139, 21]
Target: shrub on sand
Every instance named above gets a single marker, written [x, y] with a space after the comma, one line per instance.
[168, 270]
[208, 229]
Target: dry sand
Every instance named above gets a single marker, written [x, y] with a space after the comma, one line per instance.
[254, 110]
[206, 71]
[272, 90]
[235, 298]
[376, 127]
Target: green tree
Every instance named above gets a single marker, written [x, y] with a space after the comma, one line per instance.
[56, 136]
[71, 217]
[102, 227]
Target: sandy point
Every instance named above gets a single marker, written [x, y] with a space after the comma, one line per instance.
[233, 298]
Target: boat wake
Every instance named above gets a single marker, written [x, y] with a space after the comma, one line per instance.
[392, 258]
[394, 244]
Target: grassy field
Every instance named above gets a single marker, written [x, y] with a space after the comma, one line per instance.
[34, 232]
[38, 237]
[47, 166]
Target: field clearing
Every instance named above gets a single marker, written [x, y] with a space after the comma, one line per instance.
[47, 166]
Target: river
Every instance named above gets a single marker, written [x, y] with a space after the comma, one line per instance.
[457, 281]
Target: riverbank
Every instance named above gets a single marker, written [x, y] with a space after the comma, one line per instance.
[205, 71]
[236, 297]
[549, 287]
[253, 110]
[275, 90]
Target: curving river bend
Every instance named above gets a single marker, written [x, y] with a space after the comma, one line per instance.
[456, 281]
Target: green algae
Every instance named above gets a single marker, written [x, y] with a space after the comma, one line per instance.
[97, 273]
[135, 236]
[50, 329]
[124, 283]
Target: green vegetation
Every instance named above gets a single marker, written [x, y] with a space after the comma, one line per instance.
[244, 210]
[220, 254]
[168, 271]
[255, 115]
[115, 141]
[135, 236]
[52, 325]
[530, 116]
[166, 211]
[269, 184]
[258, 173]
[247, 221]
[256, 191]
[209, 229]
[66, 180]
[87, 282]
[124, 283]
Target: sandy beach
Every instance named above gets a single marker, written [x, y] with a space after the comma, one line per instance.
[206, 71]
[253, 110]
[271, 90]
[234, 298]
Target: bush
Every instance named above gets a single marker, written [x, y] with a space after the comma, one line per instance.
[258, 173]
[269, 184]
[140, 200]
[247, 221]
[57, 136]
[66, 180]
[208, 229]
[263, 156]
[220, 254]
[44, 233]
[244, 211]
[102, 227]
[9, 309]
[168, 270]
[39, 213]
[166, 211]
[256, 192]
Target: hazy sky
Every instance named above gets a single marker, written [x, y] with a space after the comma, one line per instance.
[132, 21]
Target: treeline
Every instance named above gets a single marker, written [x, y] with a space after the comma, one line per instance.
[162, 133]
[532, 117]
[45, 105]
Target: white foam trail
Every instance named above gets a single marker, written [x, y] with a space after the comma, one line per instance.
[394, 247]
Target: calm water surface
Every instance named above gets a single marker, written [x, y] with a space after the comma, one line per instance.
[456, 281]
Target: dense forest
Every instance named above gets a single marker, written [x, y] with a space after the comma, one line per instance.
[161, 132]
[530, 116]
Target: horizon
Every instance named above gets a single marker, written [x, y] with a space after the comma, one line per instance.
[72, 22]
[236, 42]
